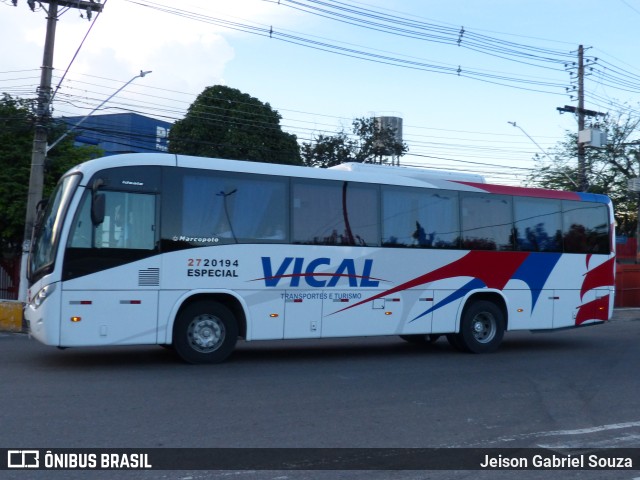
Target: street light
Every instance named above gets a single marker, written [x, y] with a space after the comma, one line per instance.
[35, 192]
[543, 151]
[140, 75]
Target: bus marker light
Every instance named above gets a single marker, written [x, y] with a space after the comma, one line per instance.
[274, 315]
[520, 310]
[388, 313]
[76, 319]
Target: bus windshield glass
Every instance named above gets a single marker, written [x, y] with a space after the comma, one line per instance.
[48, 227]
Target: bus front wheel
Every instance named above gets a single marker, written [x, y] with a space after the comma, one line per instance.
[481, 328]
[205, 332]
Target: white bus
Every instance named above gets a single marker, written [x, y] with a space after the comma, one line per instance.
[196, 253]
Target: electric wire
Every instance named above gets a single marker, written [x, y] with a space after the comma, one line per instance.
[609, 75]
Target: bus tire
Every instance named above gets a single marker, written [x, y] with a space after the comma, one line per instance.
[482, 327]
[205, 332]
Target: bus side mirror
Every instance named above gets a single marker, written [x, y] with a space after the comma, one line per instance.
[40, 208]
[97, 203]
[97, 209]
[42, 204]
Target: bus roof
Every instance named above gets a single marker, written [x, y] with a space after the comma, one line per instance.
[367, 173]
[410, 172]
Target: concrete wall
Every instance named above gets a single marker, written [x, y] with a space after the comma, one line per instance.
[10, 316]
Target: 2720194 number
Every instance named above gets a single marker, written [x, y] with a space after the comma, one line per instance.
[212, 262]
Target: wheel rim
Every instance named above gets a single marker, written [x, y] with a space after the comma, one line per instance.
[206, 333]
[484, 327]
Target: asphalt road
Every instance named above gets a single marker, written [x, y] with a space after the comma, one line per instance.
[567, 389]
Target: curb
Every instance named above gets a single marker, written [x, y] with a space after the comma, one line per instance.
[11, 316]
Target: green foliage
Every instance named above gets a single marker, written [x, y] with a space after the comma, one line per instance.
[223, 122]
[327, 151]
[16, 139]
[369, 143]
[608, 169]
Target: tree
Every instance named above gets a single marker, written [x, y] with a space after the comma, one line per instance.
[608, 169]
[223, 122]
[327, 151]
[16, 138]
[370, 142]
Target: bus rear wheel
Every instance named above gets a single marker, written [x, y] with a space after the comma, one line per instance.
[481, 328]
[205, 332]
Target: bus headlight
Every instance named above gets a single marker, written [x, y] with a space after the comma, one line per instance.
[42, 294]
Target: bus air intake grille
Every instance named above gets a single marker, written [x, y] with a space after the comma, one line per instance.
[149, 277]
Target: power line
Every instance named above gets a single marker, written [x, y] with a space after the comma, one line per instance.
[514, 51]
[55, 91]
[332, 46]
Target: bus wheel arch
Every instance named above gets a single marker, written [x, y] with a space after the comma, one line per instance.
[207, 326]
[483, 322]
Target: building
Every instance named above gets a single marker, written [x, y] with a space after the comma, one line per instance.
[121, 133]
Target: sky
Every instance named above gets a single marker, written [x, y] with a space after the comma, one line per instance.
[457, 71]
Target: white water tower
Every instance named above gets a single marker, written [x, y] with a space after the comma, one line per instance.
[394, 124]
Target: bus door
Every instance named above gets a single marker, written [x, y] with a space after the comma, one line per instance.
[111, 272]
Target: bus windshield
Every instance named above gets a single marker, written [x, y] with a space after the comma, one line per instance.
[48, 227]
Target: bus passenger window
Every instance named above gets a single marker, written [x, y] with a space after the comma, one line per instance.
[419, 218]
[335, 213]
[585, 227]
[233, 208]
[538, 224]
[487, 222]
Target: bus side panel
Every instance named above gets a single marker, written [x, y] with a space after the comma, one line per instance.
[169, 302]
[303, 313]
[266, 314]
[380, 316]
[590, 298]
[417, 305]
[115, 306]
[571, 309]
[110, 317]
[445, 316]
[528, 309]
[565, 307]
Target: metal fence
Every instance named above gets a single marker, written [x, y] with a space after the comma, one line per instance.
[9, 278]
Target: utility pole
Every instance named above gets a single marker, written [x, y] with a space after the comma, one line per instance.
[582, 168]
[581, 112]
[43, 117]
